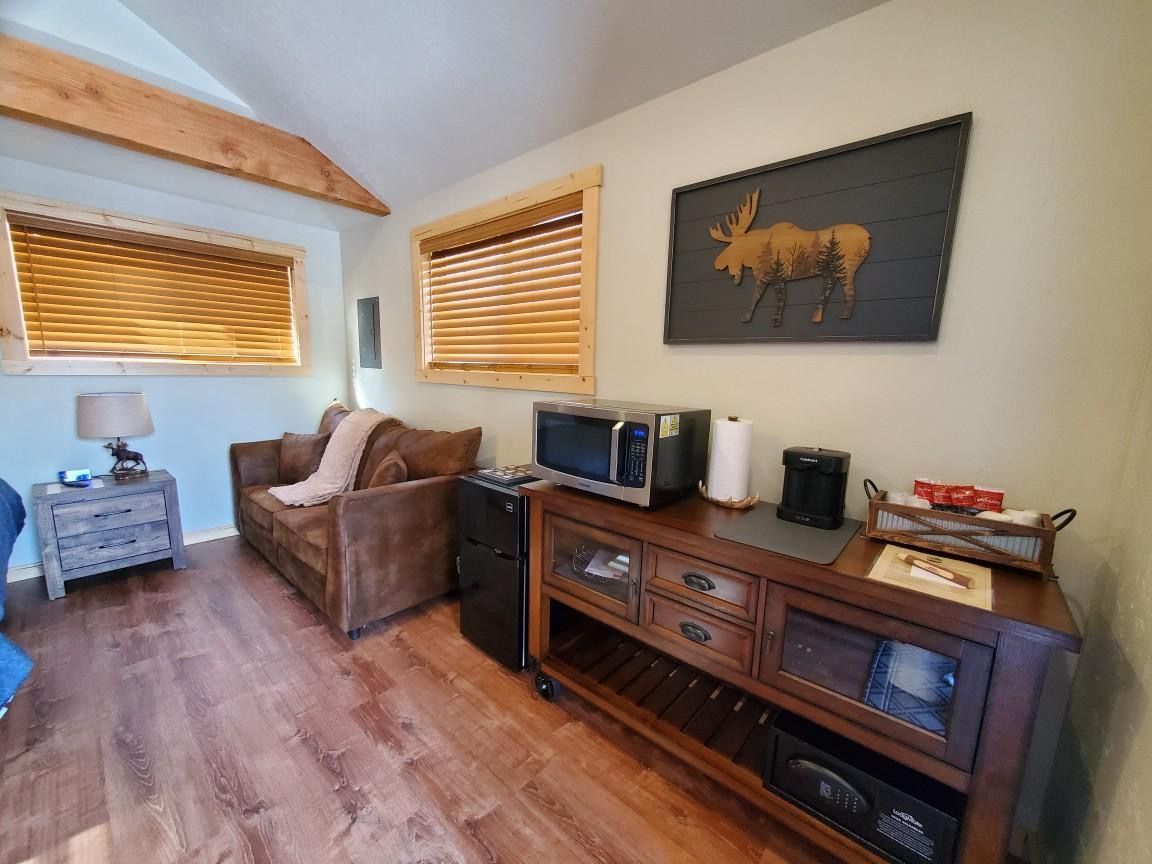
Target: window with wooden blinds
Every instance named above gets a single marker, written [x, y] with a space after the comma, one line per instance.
[507, 298]
[91, 292]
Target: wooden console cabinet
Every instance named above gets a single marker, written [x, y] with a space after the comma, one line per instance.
[697, 643]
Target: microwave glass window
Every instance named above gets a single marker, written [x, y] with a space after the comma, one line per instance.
[576, 445]
[904, 681]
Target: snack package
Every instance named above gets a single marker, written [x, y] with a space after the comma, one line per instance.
[988, 499]
[941, 495]
[922, 488]
[963, 496]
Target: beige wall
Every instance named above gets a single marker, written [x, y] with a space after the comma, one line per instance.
[1098, 800]
[1047, 315]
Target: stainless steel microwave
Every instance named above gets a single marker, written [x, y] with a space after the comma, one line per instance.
[645, 454]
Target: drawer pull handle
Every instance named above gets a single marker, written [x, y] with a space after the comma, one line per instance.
[111, 513]
[698, 581]
[694, 632]
[117, 545]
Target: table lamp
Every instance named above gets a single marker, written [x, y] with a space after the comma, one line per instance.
[115, 415]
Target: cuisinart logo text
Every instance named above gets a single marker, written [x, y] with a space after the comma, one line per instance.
[808, 459]
[907, 817]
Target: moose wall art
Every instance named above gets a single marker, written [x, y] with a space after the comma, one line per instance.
[846, 244]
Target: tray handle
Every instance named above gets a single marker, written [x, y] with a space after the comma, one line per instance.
[1067, 515]
[872, 490]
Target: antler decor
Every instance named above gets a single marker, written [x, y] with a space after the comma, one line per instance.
[731, 503]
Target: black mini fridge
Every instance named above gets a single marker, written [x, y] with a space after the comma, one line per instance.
[493, 567]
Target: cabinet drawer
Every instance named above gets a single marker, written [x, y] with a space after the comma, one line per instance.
[98, 547]
[700, 582]
[713, 638]
[102, 514]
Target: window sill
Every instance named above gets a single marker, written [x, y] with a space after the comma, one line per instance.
[88, 366]
[583, 384]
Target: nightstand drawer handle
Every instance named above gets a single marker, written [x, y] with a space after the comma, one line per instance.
[116, 545]
[698, 581]
[694, 632]
[111, 513]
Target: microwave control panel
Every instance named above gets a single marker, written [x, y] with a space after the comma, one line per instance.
[634, 459]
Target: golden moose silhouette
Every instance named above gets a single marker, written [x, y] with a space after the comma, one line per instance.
[785, 252]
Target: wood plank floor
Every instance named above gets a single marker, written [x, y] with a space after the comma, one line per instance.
[211, 715]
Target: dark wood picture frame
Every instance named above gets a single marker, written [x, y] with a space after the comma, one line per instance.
[777, 253]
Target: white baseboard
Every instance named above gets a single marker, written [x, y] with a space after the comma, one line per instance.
[35, 571]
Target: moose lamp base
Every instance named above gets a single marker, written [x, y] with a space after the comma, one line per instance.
[129, 463]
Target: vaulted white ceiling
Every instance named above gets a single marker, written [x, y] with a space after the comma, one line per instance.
[411, 95]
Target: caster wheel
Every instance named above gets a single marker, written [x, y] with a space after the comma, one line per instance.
[546, 687]
[355, 634]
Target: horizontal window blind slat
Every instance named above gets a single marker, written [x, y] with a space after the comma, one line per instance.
[528, 319]
[89, 292]
[50, 248]
[568, 245]
[511, 280]
[72, 297]
[58, 269]
[572, 335]
[508, 227]
[563, 290]
[496, 296]
[565, 304]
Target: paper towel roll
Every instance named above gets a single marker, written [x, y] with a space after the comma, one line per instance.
[729, 459]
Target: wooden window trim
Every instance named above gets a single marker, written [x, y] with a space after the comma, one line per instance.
[13, 338]
[587, 183]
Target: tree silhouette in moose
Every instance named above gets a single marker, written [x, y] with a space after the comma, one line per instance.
[785, 252]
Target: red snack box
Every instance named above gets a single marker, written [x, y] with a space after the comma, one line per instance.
[963, 496]
[989, 499]
[941, 494]
[922, 488]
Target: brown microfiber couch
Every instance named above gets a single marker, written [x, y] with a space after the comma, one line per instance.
[371, 552]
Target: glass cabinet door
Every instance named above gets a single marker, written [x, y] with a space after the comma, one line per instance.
[912, 683]
[594, 565]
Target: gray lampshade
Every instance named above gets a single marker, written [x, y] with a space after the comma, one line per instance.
[112, 415]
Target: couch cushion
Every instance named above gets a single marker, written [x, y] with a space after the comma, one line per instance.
[437, 454]
[259, 507]
[303, 532]
[381, 442]
[391, 469]
[331, 418]
[300, 456]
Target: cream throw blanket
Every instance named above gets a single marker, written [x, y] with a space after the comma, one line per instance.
[337, 470]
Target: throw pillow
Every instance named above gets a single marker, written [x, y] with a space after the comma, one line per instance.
[392, 469]
[300, 456]
[331, 418]
[437, 454]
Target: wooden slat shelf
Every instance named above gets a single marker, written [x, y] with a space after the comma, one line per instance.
[684, 710]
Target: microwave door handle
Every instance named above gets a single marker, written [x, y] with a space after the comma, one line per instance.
[614, 456]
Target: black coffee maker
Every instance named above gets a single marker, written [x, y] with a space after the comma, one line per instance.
[815, 481]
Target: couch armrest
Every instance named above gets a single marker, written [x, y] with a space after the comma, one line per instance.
[390, 548]
[253, 463]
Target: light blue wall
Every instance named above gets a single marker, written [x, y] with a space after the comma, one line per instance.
[196, 417]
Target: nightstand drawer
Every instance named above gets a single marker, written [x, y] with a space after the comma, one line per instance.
[98, 547]
[706, 635]
[701, 582]
[84, 517]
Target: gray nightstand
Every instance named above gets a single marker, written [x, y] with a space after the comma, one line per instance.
[115, 524]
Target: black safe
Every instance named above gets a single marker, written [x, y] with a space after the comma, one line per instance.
[895, 811]
[815, 481]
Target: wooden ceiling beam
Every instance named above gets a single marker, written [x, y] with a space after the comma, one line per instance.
[53, 89]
